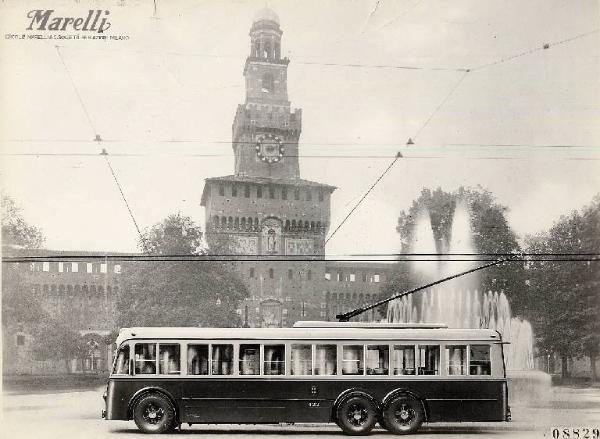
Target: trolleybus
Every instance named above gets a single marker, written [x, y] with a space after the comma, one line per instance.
[355, 375]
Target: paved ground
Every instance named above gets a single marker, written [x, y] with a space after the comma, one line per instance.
[76, 414]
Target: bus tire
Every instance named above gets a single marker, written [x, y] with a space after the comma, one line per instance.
[154, 413]
[356, 415]
[403, 415]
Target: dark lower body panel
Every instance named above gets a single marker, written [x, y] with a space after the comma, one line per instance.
[246, 400]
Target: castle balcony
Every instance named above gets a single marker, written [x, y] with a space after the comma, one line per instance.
[251, 225]
[269, 60]
[278, 122]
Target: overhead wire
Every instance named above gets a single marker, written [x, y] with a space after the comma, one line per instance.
[98, 138]
[415, 257]
[395, 159]
[398, 156]
[544, 46]
[438, 108]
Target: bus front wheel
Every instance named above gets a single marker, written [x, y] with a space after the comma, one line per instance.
[403, 415]
[154, 413]
[356, 415]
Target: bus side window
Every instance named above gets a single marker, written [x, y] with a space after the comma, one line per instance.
[378, 360]
[145, 358]
[353, 360]
[222, 359]
[456, 358]
[249, 359]
[404, 360]
[325, 359]
[480, 363]
[122, 363]
[197, 359]
[301, 359]
[169, 363]
[274, 363]
[429, 360]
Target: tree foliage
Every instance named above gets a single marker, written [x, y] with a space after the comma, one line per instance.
[55, 340]
[491, 235]
[175, 235]
[20, 309]
[183, 292]
[15, 230]
[565, 294]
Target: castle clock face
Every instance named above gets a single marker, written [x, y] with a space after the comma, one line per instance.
[269, 148]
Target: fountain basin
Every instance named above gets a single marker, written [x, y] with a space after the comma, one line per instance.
[528, 387]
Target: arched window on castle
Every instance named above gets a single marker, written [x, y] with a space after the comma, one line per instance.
[277, 50]
[267, 49]
[256, 49]
[268, 82]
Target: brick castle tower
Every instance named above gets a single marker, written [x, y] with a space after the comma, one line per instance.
[265, 209]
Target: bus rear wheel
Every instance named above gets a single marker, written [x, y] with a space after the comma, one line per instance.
[154, 413]
[403, 415]
[356, 415]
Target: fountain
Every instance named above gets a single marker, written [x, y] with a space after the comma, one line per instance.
[460, 304]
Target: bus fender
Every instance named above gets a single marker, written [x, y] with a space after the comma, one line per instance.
[353, 392]
[144, 391]
[398, 392]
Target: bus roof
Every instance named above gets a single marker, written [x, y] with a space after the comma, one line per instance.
[373, 325]
[342, 333]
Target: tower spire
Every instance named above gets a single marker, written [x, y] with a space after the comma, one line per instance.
[265, 130]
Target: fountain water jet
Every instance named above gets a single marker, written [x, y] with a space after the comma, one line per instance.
[460, 304]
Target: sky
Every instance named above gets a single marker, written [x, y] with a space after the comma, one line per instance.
[523, 122]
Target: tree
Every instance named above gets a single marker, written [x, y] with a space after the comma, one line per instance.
[187, 291]
[15, 230]
[490, 232]
[54, 340]
[176, 235]
[20, 309]
[565, 294]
